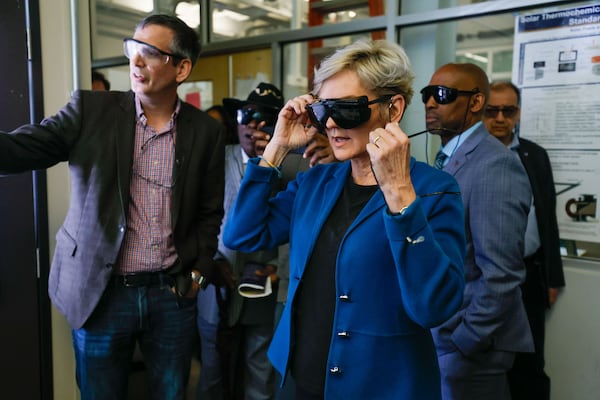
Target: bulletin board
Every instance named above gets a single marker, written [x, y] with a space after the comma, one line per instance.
[556, 65]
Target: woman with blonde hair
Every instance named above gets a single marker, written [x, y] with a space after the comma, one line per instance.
[376, 241]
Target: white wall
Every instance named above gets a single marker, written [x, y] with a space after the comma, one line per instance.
[573, 334]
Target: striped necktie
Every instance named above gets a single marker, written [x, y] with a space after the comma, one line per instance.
[440, 157]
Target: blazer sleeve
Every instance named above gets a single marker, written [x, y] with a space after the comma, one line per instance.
[499, 202]
[256, 221]
[39, 146]
[428, 247]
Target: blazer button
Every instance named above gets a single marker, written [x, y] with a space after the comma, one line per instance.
[344, 297]
[344, 334]
[335, 370]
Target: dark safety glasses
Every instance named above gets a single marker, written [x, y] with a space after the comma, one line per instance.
[346, 113]
[444, 95]
[508, 112]
[250, 113]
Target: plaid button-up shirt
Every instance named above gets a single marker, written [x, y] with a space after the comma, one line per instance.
[148, 243]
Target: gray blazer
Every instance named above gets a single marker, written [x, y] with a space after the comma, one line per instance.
[496, 196]
[248, 311]
[94, 132]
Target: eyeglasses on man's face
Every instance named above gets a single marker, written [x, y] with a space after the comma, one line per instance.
[250, 113]
[443, 94]
[507, 112]
[151, 55]
[346, 113]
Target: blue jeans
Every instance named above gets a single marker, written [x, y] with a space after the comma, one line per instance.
[259, 375]
[210, 382]
[151, 316]
[211, 385]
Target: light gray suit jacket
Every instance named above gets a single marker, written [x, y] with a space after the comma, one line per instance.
[259, 310]
[496, 196]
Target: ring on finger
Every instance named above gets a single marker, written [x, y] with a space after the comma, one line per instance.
[376, 139]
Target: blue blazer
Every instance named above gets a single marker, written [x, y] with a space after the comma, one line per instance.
[396, 276]
[496, 195]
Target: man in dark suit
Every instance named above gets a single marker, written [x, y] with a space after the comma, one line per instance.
[545, 277]
[146, 205]
[476, 346]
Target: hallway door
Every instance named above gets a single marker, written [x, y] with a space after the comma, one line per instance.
[26, 371]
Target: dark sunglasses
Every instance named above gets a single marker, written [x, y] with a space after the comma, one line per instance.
[444, 95]
[508, 112]
[347, 113]
[247, 114]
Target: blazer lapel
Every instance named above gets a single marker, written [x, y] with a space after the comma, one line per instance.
[330, 194]
[460, 156]
[184, 142]
[529, 163]
[124, 127]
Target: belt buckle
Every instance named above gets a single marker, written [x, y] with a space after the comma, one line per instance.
[129, 281]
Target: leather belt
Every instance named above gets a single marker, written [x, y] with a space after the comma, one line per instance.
[146, 279]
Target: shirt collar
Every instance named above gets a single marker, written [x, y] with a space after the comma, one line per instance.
[170, 127]
[514, 144]
[245, 157]
[454, 143]
[139, 111]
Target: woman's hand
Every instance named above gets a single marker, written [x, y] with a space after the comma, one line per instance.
[292, 130]
[389, 149]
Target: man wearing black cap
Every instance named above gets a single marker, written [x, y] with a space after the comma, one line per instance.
[241, 363]
[242, 327]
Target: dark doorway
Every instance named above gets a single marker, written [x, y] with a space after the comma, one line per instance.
[25, 337]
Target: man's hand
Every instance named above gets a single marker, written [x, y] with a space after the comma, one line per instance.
[222, 274]
[268, 270]
[552, 295]
[319, 151]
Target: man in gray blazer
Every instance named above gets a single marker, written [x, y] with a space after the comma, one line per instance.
[477, 346]
[236, 365]
[146, 205]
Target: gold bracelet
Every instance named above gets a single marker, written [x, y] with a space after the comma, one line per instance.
[270, 164]
[401, 212]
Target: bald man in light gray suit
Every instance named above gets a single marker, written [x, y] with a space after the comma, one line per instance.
[476, 346]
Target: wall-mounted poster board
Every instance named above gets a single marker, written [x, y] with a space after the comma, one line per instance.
[556, 65]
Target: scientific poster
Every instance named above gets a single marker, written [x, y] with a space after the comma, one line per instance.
[556, 65]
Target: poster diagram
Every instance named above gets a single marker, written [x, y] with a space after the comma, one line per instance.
[561, 62]
[557, 67]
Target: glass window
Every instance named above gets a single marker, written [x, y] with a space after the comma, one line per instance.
[113, 20]
[411, 6]
[300, 59]
[238, 19]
